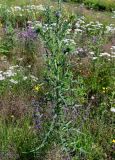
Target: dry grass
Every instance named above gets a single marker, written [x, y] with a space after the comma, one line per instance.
[14, 105]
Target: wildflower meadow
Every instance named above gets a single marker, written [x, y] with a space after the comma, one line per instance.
[57, 80]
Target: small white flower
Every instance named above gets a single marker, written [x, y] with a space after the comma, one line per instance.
[11, 67]
[34, 78]
[24, 78]
[94, 58]
[1, 77]
[69, 41]
[53, 24]
[78, 30]
[92, 53]
[92, 97]
[20, 59]
[29, 66]
[110, 28]
[9, 73]
[105, 54]
[112, 109]
[68, 31]
[112, 48]
[17, 8]
[13, 81]
[77, 25]
[29, 22]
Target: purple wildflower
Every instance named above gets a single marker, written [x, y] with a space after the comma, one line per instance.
[28, 34]
[94, 39]
[58, 14]
[37, 116]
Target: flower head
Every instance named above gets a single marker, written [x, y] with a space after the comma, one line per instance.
[113, 140]
[37, 88]
[12, 116]
[112, 109]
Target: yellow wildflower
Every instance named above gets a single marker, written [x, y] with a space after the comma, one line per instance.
[113, 140]
[104, 89]
[37, 87]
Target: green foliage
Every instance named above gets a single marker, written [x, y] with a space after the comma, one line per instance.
[16, 138]
[100, 5]
[101, 77]
[108, 5]
[7, 41]
[73, 1]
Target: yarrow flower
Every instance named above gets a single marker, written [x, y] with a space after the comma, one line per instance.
[1, 77]
[112, 109]
[105, 54]
[13, 81]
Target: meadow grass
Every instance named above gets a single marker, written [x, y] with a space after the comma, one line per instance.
[104, 17]
[97, 4]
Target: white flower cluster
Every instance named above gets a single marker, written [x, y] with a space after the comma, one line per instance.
[110, 29]
[35, 7]
[69, 41]
[111, 55]
[104, 54]
[112, 49]
[25, 9]
[34, 24]
[92, 26]
[8, 73]
[13, 72]
[16, 8]
[112, 109]
[82, 26]
[1, 76]
[78, 27]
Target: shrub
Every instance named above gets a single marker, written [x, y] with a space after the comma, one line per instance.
[100, 4]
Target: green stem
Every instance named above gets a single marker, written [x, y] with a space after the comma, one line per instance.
[59, 4]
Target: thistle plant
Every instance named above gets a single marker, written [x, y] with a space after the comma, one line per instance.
[58, 73]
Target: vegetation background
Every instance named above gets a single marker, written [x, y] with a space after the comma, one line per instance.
[57, 80]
